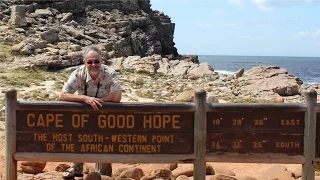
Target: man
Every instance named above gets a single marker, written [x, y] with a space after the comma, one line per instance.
[94, 83]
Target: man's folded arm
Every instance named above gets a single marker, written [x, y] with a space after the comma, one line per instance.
[114, 96]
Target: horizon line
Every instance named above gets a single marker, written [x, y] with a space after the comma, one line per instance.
[254, 55]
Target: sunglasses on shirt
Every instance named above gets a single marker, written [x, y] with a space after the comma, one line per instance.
[95, 62]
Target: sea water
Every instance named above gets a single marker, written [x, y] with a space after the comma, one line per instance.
[306, 68]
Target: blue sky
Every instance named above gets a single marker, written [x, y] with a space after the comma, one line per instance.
[244, 27]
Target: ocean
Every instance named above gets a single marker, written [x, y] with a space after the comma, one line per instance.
[306, 68]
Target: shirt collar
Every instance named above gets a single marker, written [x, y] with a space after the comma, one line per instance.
[88, 76]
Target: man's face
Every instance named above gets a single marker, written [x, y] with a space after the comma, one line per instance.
[93, 62]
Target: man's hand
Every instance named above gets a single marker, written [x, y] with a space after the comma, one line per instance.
[94, 102]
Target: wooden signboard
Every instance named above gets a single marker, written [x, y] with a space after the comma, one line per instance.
[163, 132]
[105, 131]
[318, 135]
[255, 130]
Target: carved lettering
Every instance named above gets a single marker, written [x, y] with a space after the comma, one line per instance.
[126, 148]
[259, 122]
[237, 122]
[116, 121]
[162, 138]
[128, 138]
[287, 145]
[216, 122]
[40, 136]
[78, 121]
[94, 148]
[45, 120]
[67, 147]
[90, 138]
[61, 137]
[291, 122]
[215, 145]
[161, 121]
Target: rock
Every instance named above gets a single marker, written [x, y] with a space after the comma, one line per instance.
[43, 13]
[268, 79]
[122, 169]
[186, 96]
[62, 167]
[164, 174]
[316, 165]
[187, 170]
[32, 167]
[51, 36]
[18, 16]
[237, 74]
[276, 169]
[201, 70]
[212, 99]
[134, 173]
[285, 175]
[224, 171]
[222, 177]
[93, 176]
[182, 177]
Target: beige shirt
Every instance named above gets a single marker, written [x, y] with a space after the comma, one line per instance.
[81, 81]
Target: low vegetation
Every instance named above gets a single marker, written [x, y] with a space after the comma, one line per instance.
[5, 51]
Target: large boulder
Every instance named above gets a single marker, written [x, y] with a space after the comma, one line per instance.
[270, 78]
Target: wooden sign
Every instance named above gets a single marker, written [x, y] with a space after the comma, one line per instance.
[255, 143]
[318, 136]
[254, 130]
[256, 122]
[107, 132]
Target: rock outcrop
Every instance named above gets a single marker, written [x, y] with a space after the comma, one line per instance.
[55, 27]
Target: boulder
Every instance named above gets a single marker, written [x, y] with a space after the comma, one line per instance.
[32, 167]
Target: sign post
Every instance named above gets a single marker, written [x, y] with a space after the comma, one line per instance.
[309, 135]
[11, 163]
[200, 134]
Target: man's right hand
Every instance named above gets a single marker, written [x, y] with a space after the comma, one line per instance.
[94, 102]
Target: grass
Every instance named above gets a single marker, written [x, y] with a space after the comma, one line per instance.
[5, 51]
[19, 78]
[145, 93]
[25, 78]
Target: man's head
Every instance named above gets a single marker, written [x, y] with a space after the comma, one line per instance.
[92, 60]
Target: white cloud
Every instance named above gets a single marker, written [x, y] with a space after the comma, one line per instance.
[232, 25]
[307, 33]
[317, 33]
[263, 5]
[244, 37]
[204, 25]
[235, 2]
[218, 12]
[269, 5]
[302, 34]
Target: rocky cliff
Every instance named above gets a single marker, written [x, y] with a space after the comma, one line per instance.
[119, 27]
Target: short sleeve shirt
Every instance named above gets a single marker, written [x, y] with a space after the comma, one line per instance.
[81, 81]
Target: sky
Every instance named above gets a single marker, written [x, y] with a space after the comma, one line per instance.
[244, 27]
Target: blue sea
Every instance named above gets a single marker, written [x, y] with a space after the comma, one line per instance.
[306, 68]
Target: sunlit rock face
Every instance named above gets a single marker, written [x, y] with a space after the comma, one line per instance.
[127, 27]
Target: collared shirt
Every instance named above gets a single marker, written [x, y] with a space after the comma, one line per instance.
[107, 82]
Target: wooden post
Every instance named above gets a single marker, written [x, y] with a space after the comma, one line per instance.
[200, 134]
[11, 163]
[309, 135]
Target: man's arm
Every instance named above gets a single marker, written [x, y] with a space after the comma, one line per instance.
[64, 96]
[115, 96]
[92, 101]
